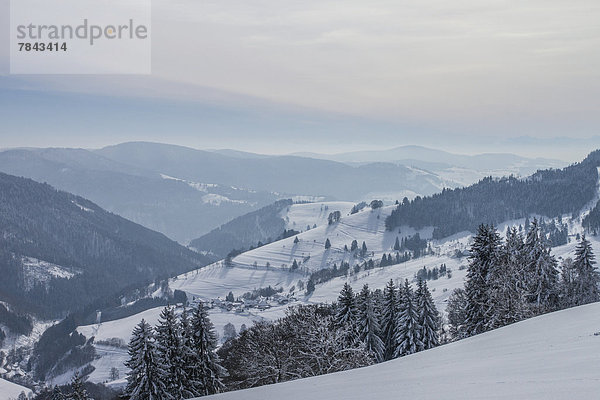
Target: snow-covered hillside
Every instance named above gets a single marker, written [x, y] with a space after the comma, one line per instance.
[9, 390]
[249, 271]
[554, 356]
[310, 253]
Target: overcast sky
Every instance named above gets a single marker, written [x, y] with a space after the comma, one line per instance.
[325, 76]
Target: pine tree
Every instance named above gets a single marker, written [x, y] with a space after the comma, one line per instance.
[407, 335]
[170, 348]
[484, 253]
[327, 244]
[587, 277]
[429, 317]
[78, 392]
[368, 321]
[346, 315]
[354, 245]
[389, 318]
[146, 379]
[206, 370]
[397, 244]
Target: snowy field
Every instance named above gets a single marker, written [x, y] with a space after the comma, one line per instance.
[555, 356]
[9, 390]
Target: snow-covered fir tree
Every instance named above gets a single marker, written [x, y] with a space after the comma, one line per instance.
[457, 314]
[586, 276]
[541, 272]
[389, 318]
[346, 315]
[484, 253]
[146, 379]
[172, 352]
[368, 321]
[78, 392]
[567, 283]
[408, 329]
[506, 284]
[429, 317]
[207, 372]
[57, 394]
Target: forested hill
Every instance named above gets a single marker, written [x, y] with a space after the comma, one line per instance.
[549, 192]
[59, 251]
[241, 233]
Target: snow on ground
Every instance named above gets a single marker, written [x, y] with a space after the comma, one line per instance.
[110, 357]
[9, 390]
[299, 216]
[554, 356]
[218, 280]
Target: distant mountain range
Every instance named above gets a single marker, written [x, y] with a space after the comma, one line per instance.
[185, 193]
[436, 160]
[289, 175]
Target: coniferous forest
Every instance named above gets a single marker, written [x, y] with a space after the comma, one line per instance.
[549, 192]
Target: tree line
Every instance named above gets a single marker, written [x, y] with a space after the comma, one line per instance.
[358, 330]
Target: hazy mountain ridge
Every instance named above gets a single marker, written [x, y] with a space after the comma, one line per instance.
[170, 206]
[282, 174]
[412, 153]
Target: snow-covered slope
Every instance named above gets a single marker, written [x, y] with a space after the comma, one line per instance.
[299, 216]
[9, 390]
[367, 225]
[555, 356]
